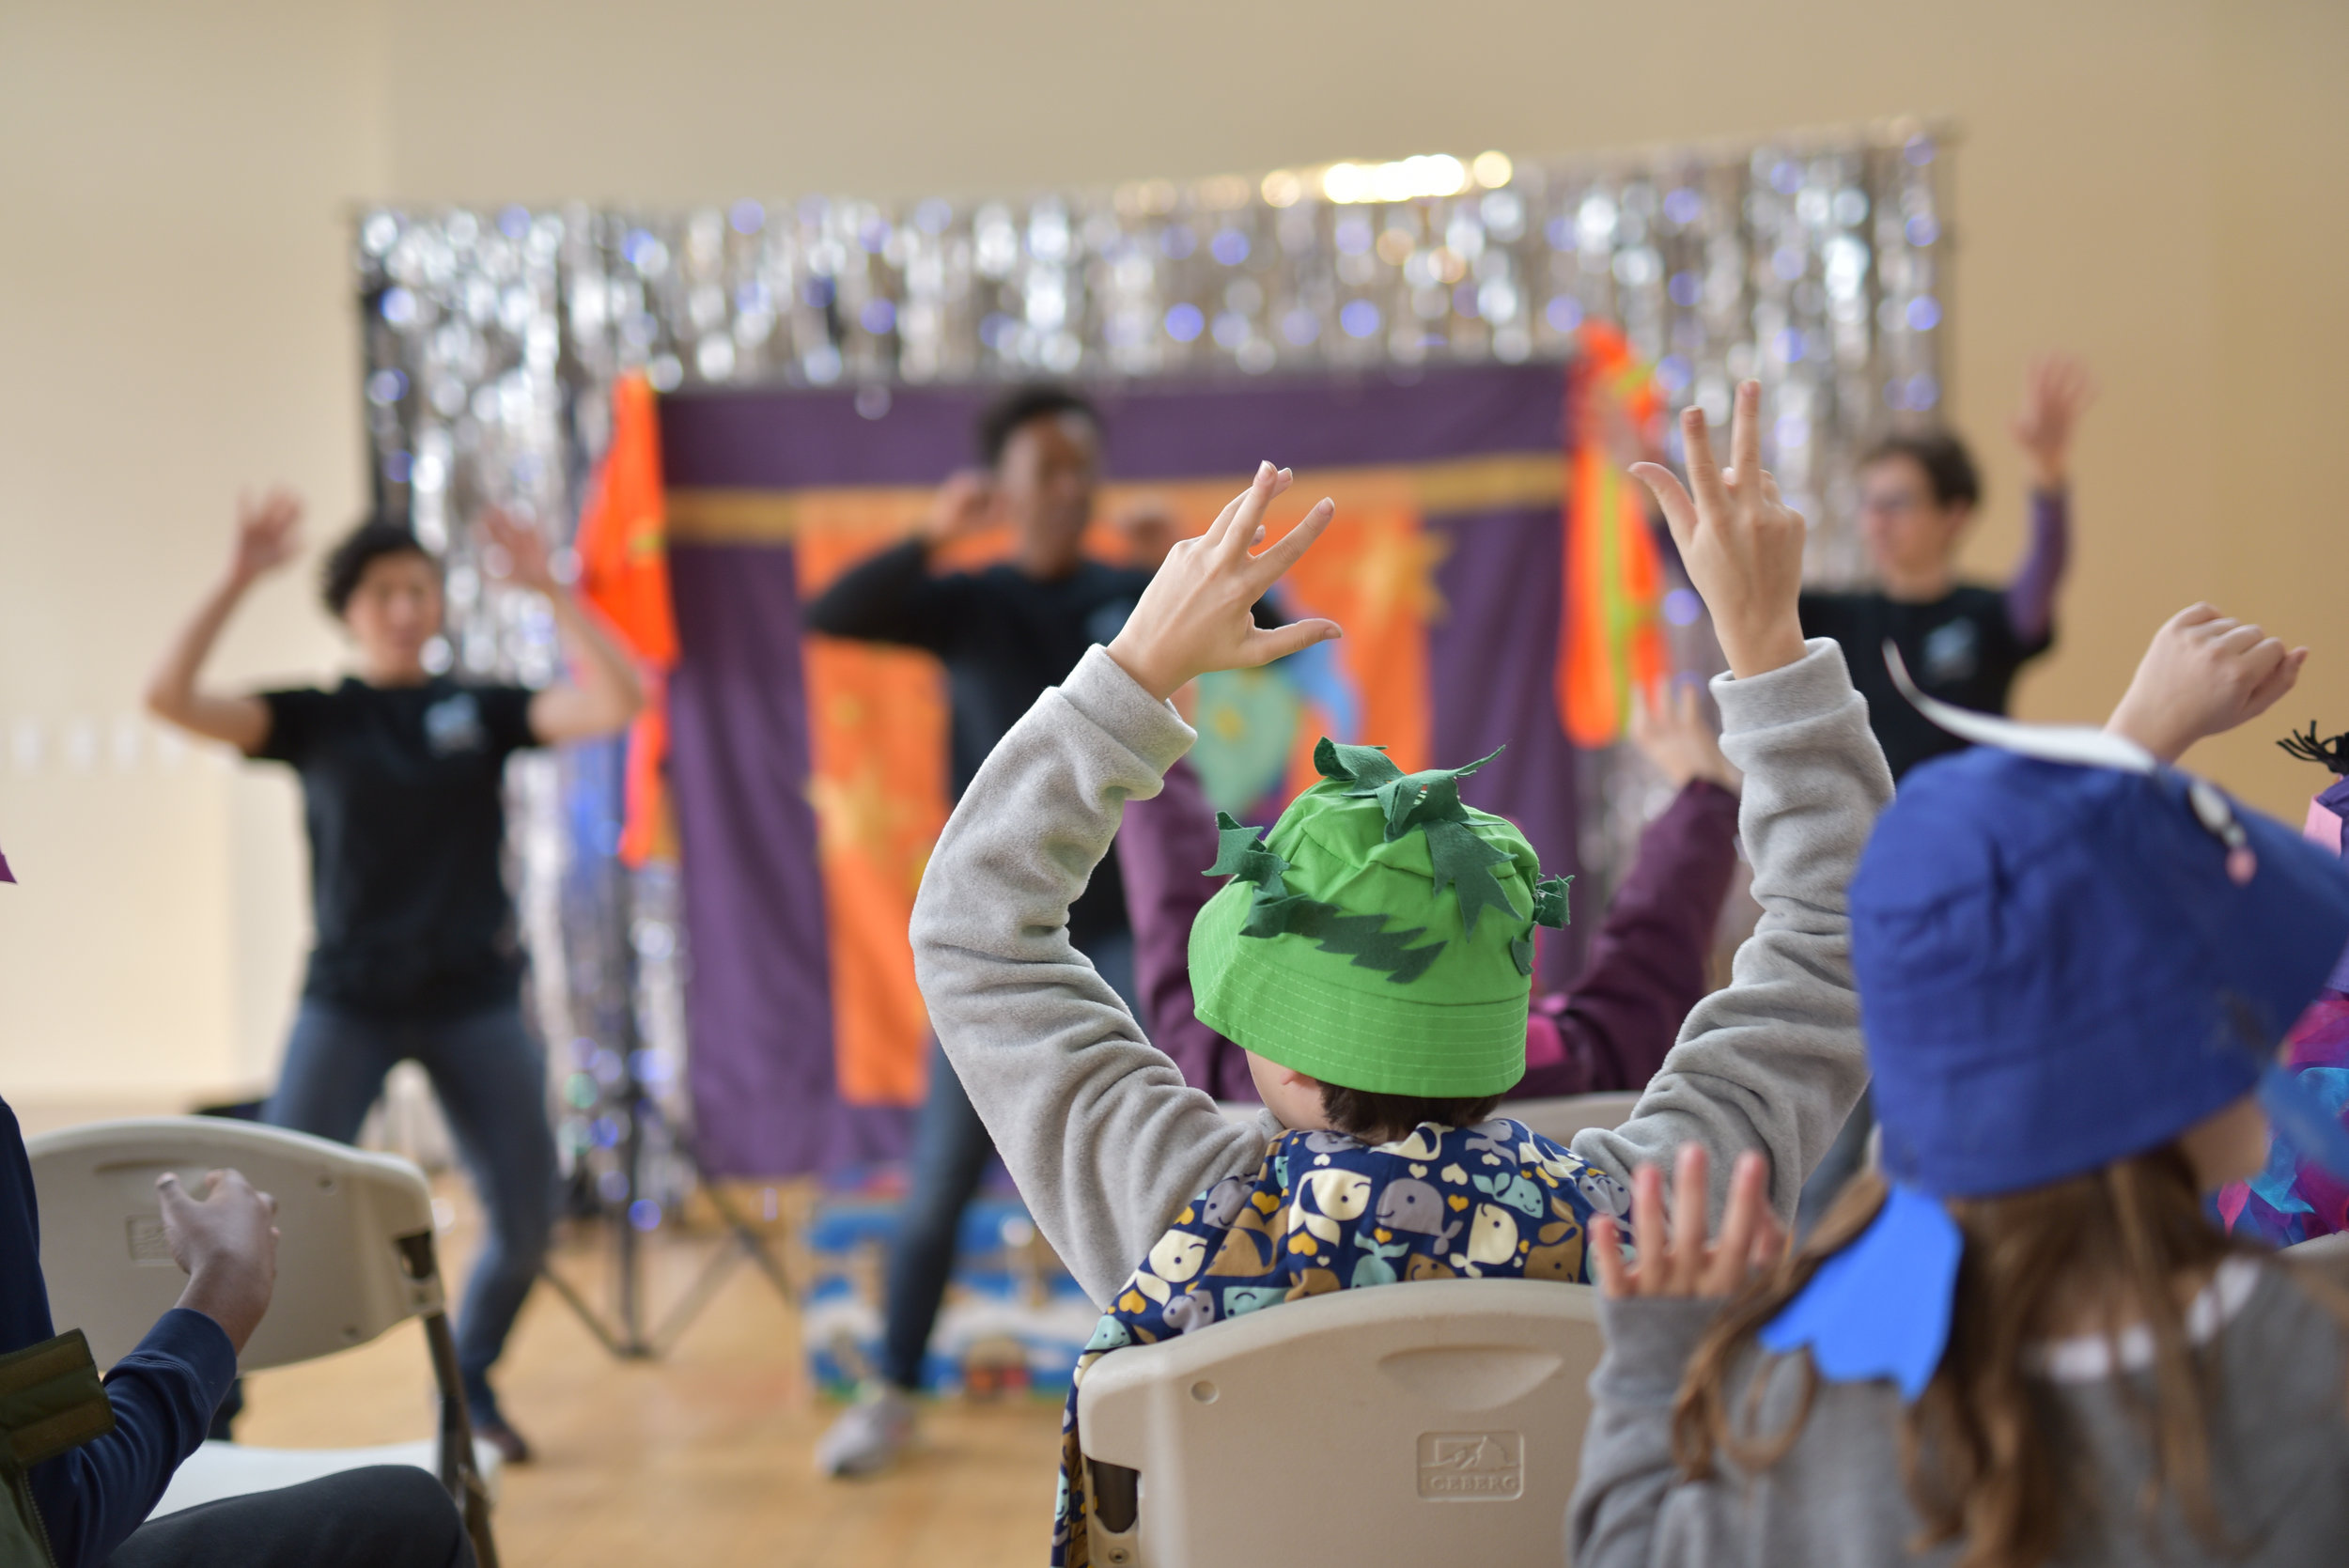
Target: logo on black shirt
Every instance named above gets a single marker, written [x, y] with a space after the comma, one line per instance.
[1953, 652]
[452, 725]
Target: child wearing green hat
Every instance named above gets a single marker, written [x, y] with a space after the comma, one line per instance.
[1372, 956]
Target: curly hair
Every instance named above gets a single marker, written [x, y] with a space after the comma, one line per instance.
[377, 537]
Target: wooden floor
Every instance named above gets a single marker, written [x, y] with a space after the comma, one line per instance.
[703, 1458]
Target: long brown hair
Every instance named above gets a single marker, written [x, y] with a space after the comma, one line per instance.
[1984, 1452]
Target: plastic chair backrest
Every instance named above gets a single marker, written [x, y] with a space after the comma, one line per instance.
[1560, 1118]
[342, 1275]
[2331, 1251]
[1436, 1422]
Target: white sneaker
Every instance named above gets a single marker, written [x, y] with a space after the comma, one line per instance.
[869, 1435]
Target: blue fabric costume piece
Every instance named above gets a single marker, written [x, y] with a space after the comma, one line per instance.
[1880, 1307]
[1325, 1211]
[2067, 954]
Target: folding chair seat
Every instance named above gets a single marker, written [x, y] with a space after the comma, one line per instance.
[355, 1258]
[1560, 1117]
[1435, 1422]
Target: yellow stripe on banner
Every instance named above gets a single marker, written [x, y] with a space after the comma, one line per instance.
[1448, 488]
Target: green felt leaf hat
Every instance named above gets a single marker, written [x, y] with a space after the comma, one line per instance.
[1381, 937]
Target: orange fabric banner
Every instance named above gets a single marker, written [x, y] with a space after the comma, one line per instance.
[1611, 638]
[623, 553]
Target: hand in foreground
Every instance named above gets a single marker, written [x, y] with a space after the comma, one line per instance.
[1195, 615]
[2056, 390]
[1683, 1263]
[228, 1245]
[1669, 726]
[2203, 674]
[269, 534]
[527, 561]
[964, 505]
[1741, 544]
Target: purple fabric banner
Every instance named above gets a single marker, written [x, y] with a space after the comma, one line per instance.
[758, 1006]
[783, 440]
[1492, 657]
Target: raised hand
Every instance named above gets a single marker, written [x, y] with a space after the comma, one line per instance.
[2055, 390]
[1668, 727]
[965, 505]
[269, 534]
[1742, 546]
[527, 561]
[1195, 616]
[227, 1244]
[2203, 674]
[1683, 1262]
[1150, 529]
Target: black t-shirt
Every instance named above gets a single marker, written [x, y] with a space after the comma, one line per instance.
[403, 791]
[1961, 649]
[1004, 637]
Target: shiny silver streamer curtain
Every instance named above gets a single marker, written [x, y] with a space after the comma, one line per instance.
[1819, 263]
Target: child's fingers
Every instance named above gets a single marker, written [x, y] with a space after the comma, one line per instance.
[1281, 556]
[2238, 639]
[1705, 470]
[1684, 701]
[1770, 1244]
[1690, 1196]
[1606, 1256]
[1245, 520]
[1680, 512]
[1263, 645]
[1648, 1230]
[2278, 680]
[1726, 1268]
[1745, 434]
[2192, 615]
[1223, 524]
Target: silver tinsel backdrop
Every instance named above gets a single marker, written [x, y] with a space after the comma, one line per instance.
[1815, 263]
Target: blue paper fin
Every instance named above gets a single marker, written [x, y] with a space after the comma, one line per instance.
[2302, 1119]
[1880, 1307]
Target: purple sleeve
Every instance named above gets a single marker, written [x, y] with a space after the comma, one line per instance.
[1647, 965]
[1164, 846]
[2031, 599]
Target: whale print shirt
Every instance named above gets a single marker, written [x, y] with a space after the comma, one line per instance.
[1325, 1211]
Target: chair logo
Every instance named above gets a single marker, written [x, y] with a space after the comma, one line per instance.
[1472, 1466]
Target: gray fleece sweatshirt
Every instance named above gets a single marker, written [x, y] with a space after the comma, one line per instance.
[1103, 1136]
[2280, 1453]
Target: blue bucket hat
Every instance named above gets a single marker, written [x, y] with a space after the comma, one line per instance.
[2066, 954]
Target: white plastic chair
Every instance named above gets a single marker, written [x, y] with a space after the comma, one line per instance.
[1560, 1117]
[355, 1258]
[2330, 1250]
[1435, 1422]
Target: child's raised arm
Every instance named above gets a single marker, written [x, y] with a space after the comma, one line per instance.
[1095, 1125]
[1773, 1062]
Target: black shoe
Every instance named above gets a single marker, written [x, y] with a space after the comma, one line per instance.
[509, 1443]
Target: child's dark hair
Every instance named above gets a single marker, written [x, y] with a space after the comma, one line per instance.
[1362, 1114]
[1025, 405]
[1949, 469]
[371, 541]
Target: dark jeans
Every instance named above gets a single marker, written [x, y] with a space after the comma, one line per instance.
[950, 1153]
[383, 1517]
[490, 1075]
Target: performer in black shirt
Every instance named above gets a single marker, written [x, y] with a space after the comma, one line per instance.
[417, 953]
[1005, 633]
[1962, 641]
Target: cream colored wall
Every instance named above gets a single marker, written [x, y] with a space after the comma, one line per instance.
[2154, 183]
[175, 321]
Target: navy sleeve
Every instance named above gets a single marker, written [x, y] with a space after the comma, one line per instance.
[891, 596]
[164, 1392]
[506, 715]
[296, 717]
